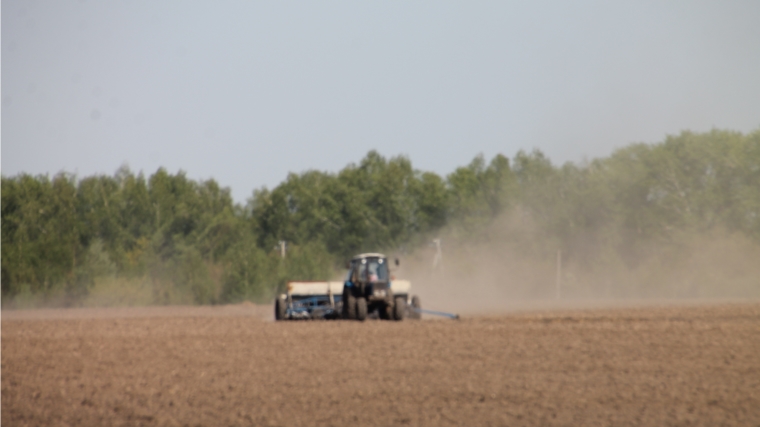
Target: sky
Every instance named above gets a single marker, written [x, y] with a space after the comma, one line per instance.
[247, 92]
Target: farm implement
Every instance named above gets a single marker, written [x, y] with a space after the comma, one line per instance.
[369, 291]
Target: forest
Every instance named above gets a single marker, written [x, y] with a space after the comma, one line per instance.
[131, 239]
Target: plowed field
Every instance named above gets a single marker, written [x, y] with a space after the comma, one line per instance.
[687, 365]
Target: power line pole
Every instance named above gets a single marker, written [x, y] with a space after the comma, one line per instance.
[438, 254]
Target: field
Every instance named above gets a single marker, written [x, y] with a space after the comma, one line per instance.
[685, 365]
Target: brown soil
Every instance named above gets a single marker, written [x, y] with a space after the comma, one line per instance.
[686, 365]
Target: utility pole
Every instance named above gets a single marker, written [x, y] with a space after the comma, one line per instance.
[282, 245]
[438, 254]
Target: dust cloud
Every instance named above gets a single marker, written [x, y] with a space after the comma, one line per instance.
[512, 266]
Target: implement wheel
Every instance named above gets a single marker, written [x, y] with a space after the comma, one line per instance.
[361, 309]
[349, 304]
[399, 308]
[279, 309]
[415, 305]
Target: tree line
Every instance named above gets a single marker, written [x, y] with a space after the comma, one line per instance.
[187, 241]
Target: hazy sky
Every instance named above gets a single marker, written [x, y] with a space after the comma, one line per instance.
[245, 92]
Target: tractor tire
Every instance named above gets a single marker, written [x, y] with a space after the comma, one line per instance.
[361, 309]
[415, 305]
[399, 308]
[280, 307]
[349, 304]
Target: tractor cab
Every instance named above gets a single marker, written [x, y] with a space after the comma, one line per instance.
[368, 268]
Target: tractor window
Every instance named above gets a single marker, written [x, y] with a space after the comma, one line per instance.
[377, 270]
[354, 273]
[369, 269]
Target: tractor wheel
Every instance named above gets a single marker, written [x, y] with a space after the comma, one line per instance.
[279, 309]
[399, 308]
[415, 305]
[349, 304]
[361, 309]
